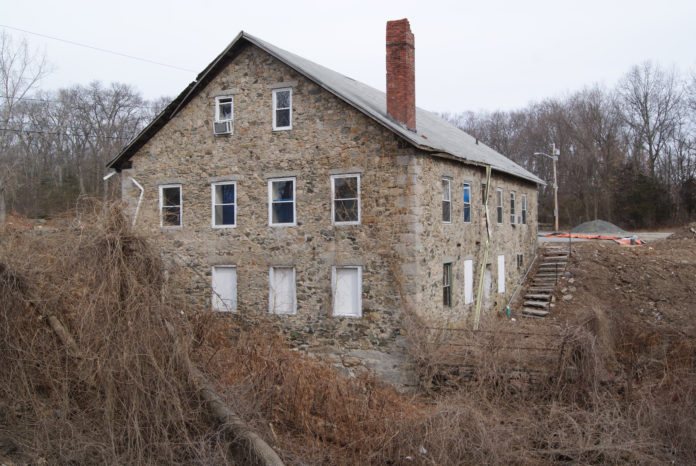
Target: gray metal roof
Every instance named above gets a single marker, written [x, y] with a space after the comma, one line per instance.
[432, 132]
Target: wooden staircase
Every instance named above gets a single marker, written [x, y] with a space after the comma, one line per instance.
[540, 286]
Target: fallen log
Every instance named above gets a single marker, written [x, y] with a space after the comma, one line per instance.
[232, 424]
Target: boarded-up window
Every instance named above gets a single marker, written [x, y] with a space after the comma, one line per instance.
[501, 274]
[224, 288]
[281, 296]
[347, 291]
[468, 281]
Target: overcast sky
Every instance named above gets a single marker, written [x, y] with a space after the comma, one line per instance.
[470, 55]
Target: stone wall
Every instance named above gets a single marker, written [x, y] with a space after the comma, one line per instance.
[437, 242]
[328, 136]
[457, 241]
[400, 242]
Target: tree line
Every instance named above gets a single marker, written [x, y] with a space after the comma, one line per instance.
[54, 145]
[627, 154]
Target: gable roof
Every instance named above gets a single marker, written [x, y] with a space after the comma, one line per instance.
[433, 133]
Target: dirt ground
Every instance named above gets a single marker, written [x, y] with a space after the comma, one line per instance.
[638, 299]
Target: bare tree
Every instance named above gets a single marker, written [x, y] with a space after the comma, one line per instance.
[650, 99]
[20, 72]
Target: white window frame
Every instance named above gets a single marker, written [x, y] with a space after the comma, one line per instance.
[218, 100]
[468, 281]
[333, 199]
[466, 187]
[501, 274]
[271, 294]
[215, 297]
[213, 204]
[229, 122]
[446, 198]
[524, 209]
[294, 202]
[333, 290]
[500, 210]
[513, 210]
[162, 187]
[275, 108]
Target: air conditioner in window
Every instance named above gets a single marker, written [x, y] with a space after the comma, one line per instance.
[222, 127]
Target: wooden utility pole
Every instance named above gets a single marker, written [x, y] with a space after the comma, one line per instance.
[554, 156]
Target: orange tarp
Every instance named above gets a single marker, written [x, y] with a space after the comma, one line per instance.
[630, 240]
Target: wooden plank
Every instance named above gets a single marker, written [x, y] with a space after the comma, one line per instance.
[542, 304]
[534, 312]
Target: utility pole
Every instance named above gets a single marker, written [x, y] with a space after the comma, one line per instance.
[554, 156]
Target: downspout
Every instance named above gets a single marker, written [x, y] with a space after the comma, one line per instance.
[479, 297]
[140, 198]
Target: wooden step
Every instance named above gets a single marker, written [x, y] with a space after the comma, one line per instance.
[548, 275]
[542, 304]
[543, 282]
[553, 264]
[540, 289]
[534, 312]
[539, 297]
[556, 258]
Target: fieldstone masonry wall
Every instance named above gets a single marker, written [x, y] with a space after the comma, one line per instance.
[400, 242]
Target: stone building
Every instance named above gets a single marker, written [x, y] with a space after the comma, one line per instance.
[292, 190]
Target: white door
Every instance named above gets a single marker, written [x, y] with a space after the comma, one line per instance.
[347, 290]
[224, 288]
[501, 274]
[468, 281]
[281, 296]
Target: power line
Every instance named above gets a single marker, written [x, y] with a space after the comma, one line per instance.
[61, 133]
[98, 49]
[152, 107]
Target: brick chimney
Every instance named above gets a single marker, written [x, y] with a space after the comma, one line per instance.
[401, 73]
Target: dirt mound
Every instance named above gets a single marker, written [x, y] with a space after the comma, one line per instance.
[599, 227]
[687, 232]
[647, 297]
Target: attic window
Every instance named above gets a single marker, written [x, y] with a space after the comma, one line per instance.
[224, 115]
[282, 109]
